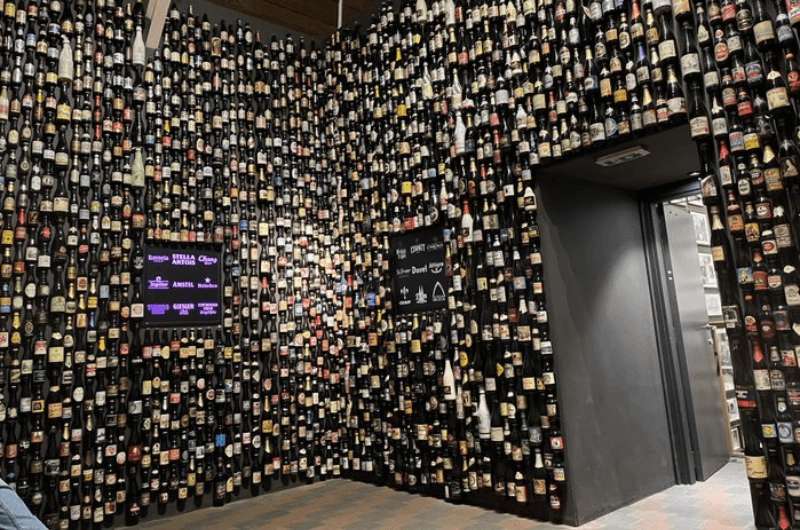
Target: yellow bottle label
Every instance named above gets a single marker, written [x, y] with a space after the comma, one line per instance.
[756, 467]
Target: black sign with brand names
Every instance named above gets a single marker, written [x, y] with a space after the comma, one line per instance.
[419, 275]
[182, 285]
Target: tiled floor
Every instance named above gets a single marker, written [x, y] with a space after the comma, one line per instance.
[721, 503]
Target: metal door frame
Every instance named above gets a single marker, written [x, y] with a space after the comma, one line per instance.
[669, 339]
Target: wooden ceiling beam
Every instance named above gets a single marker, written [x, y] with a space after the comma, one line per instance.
[314, 9]
[276, 12]
[156, 16]
[351, 7]
[364, 6]
[312, 17]
[353, 10]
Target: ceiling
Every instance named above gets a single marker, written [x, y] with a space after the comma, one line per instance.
[312, 17]
[672, 156]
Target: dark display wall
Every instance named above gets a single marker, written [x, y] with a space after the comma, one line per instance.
[747, 133]
[298, 165]
[216, 140]
[461, 402]
[256, 148]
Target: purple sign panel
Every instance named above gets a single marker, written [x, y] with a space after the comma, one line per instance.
[182, 285]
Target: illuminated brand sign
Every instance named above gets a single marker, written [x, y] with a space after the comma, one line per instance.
[182, 285]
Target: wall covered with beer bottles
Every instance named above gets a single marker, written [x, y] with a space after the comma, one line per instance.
[217, 138]
[301, 163]
[459, 402]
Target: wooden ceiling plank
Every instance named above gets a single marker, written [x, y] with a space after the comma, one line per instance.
[363, 6]
[308, 8]
[307, 16]
[157, 18]
[279, 15]
[281, 12]
[347, 7]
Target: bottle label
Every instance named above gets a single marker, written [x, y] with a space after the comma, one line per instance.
[598, 132]
[63, 112]
[763, 210]
[792, 293]
[764, 31]
[60, 204]
[734, 42]
[666, 49]
[761, 379]
[729, 97]
[57, 304]
[649, 117]
[676, 105]
[711, 79]
[756, 467]
[699, 127]
[496, 434]
[789, 167]
[751, 141]
[721, 51]
[754, 72]
[680, 7]
[736, 141]
[690, 64]
[630, 82]
[54, 410]
[783, 235]
[793, 486]
[770, 176]
[703, 36]
[777, 98]
[725, 176]
[55, 354]
[422, 431]
[636, 121]
[605, 87]
[720, 126]
[135, 407]
[643, 74]
[624, 127]
[793, 7]
[768, 431]
[137, 310]
[752, 232]
[610, 125]
[521, 493]
[544, 150]
[529, 383]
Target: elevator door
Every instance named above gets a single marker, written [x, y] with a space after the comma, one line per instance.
[696, 364]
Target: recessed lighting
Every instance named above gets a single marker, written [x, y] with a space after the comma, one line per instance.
[621, 157]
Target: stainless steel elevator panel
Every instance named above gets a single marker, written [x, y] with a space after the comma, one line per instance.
[707, 418]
